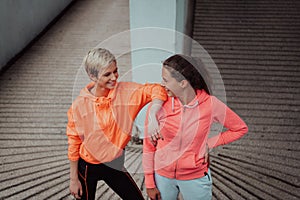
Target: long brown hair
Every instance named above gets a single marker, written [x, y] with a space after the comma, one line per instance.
[189, 68]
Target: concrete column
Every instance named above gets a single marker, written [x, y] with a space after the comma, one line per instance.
[157, 29]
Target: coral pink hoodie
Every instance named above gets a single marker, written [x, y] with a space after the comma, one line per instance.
[187, 134]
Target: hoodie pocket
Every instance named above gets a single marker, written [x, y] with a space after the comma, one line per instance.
[187, 161]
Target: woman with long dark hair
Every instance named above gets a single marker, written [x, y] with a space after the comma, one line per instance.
[174, 160]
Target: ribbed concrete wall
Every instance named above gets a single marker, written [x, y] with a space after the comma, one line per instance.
[21, 21]
[256, 46]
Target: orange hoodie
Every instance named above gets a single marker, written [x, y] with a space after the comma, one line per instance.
[99, 128]
[187, 133]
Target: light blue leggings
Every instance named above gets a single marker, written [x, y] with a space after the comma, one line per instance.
[195, 189]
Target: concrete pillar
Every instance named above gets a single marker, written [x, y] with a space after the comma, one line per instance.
[157, 32]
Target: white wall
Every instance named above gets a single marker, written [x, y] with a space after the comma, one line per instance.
[161, 30]
[156, 33]
[21, 21]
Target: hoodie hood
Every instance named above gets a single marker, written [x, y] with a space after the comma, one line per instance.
[85, 93]
[201, 96]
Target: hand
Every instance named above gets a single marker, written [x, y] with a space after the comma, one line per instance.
[153, 193]
[153, 130]
[153, 125]
[76, 188]
[206, 156]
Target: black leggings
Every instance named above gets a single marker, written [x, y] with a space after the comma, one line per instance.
[113, 174]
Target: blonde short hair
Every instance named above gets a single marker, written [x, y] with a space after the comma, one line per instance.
[97, 59]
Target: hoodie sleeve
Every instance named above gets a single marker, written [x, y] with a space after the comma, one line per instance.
[151, 91]
[74, 140]
[143, 94]
[148, 157]
[235, 126]
[156, 91]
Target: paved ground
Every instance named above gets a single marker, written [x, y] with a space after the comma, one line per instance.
[256, 47]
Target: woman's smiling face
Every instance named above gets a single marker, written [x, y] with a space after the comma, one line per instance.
[107, 77]
[171, 85]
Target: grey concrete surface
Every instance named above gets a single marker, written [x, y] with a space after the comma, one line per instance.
[36, 92]
[256, 46]
[22, 21]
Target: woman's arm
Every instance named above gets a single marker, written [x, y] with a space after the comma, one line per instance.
[75, 185]
[148, 162]
[149, 149]
[153, 125]
[74, 140]
[152, 134]
[236, 127]
[144, 94]
[73, 153]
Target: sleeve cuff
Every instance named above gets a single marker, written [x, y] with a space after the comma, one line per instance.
[149, 181]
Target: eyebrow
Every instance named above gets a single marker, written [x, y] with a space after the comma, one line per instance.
[107, 73]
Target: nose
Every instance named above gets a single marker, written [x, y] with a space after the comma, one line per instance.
[114, 76]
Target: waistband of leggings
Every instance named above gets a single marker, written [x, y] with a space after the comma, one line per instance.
[118, 159]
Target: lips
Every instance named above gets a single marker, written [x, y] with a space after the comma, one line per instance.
[112, 83]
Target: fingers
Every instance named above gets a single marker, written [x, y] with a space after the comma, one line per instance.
[154, 142]
[80, 190]
[155, 137]
[206, 155]
[158, 197]
[161, 136]
[205, 158]
[77, 195]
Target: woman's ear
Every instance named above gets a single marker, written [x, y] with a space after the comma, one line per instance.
[92, 77]
[184, 83]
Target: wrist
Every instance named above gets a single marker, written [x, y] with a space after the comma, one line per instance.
[73, 182]
[151, 188]
[156, 106]
[74, 178]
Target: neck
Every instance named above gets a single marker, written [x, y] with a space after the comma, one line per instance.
[99, 91]
[188, 95]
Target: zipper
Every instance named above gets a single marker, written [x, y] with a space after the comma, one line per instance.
[184, 107]
[180, 144]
